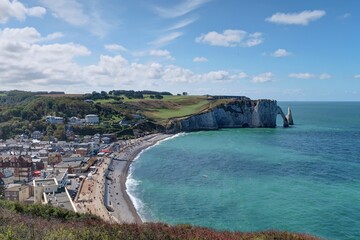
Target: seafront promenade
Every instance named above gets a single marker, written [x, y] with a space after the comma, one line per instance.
[104, 193]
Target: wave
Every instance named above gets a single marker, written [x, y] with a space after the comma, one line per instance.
[131, 187]
[132, 184]
[158, 143]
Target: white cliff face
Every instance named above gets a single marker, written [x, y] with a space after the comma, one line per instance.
[289, 117]
[238, 114]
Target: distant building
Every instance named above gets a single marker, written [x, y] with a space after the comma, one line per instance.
[92, 119]
[36, 135]
[54, 120]
[75, 121]
[112, 136]
[124, 122]
[81, 151]
[106, 140]
[52, 190]
[22, 166]
[18, 193]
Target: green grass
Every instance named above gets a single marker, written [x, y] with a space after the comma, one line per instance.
[181, 111]
[161, 110]
[110, 100]
[173, 106]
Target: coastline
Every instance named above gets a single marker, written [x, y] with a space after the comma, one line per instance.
[124, 210]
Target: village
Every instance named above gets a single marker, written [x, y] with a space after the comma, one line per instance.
[54, 172]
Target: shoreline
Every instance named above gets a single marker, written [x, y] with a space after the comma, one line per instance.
[120, 201]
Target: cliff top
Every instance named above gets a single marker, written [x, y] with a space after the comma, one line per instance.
[22, 221]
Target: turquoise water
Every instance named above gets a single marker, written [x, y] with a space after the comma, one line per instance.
[303, 179]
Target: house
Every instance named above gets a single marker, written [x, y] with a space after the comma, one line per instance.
[81, 151]
[87, 139]
[54, 158]
[54, 120]
[48, 191]
[124, 122]
[17, 193]
[22, 166]
[92, 119]
[112, 136]
[75, 121]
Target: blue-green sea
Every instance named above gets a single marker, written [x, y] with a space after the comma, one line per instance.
[305, 178]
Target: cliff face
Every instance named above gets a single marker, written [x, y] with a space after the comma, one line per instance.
[237, 114]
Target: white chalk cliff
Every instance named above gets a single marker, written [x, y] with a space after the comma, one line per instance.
[237, 114]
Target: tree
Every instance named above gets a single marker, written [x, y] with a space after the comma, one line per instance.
[59, 133]
[2, 189]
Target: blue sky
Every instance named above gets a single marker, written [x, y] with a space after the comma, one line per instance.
[278, 49]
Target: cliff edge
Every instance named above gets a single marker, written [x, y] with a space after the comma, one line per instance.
[236, 114]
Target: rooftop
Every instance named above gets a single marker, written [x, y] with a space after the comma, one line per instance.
[44, 182]
[60, 199]
[17, 188]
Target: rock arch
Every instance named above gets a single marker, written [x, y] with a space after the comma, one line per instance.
[285, 121]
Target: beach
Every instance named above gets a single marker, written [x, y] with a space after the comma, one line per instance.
[104, 194]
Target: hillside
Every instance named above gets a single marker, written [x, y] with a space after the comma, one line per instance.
[144, 111]
[20, 221]
[128, 113]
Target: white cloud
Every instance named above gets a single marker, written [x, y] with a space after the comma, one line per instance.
[301, 18]
[73, 12]
[161, 53]
[281, 53]
[115, 47]
[345, 16]
[166, 39]
[306, 75]
[217, 76]
[20, 35]
[69, 11]
[17, 10]
[155, 53]
[302, 75]
[180, 9]
[230, 38]
[241, 75]
[28, 62]
[357, 76]
[200, 59]
[53, 36]
[263, 77]
[182, 23]
[324, 76]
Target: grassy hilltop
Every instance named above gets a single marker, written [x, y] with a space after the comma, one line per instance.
[21, 221]
[146, 111]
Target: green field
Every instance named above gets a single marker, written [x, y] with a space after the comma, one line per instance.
[172, 106]
[161, 110]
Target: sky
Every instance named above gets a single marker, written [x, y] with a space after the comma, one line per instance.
[299, 50]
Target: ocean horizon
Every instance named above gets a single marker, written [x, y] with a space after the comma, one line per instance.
[301, 179]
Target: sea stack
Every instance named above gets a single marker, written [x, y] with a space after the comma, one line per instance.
[289, 117]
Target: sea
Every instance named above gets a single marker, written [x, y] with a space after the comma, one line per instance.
[305, 178]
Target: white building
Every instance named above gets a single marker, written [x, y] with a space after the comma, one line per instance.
[54, 120]
[36, 135]
[92, 119]
[75, 121]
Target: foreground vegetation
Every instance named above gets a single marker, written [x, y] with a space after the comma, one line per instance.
[20, 221]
